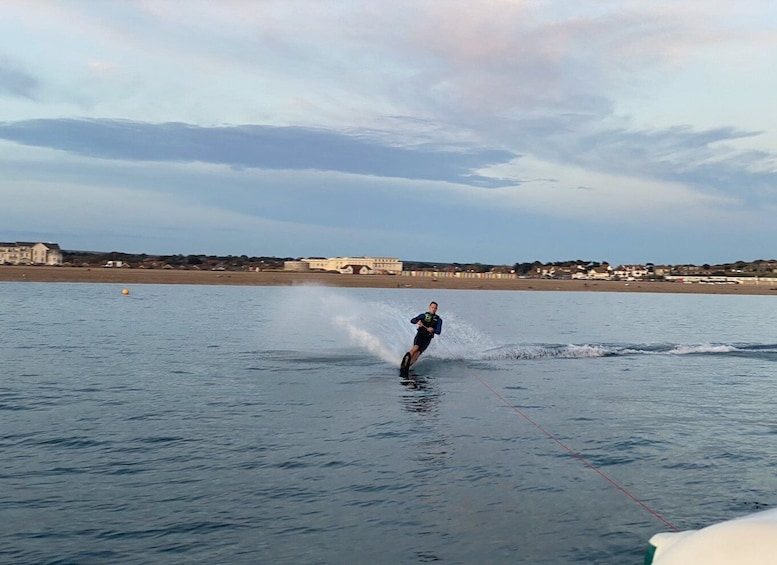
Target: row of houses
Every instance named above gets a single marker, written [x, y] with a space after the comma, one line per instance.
[30, 253]
[602, 272]
[392, 266]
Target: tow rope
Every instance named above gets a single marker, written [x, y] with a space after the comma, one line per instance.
[564, 446]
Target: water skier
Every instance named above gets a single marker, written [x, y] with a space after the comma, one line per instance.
[429, 324]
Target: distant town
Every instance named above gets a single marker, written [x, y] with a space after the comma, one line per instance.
[738, 272]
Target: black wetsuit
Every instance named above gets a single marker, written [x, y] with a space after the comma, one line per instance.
[423, 336]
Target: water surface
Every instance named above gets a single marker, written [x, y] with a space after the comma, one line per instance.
[198, 424]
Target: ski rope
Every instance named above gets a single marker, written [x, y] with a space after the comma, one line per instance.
[564, 446]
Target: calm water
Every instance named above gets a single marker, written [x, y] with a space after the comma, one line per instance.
[185, 424]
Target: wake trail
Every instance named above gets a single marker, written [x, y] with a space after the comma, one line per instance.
[588, 351]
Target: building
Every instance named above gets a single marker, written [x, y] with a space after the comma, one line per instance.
[376, 265]
[601, 273]
[296, 266]
[630, 272]
[356, 270]
[28, 253]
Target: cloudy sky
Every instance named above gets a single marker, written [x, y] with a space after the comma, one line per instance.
[492, 131]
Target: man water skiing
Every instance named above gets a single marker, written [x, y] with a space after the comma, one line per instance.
[429, 324]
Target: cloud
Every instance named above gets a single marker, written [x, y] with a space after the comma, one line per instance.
[201, 208]
[257, 146]
[16, 82]
[707, 159]
[704, 159]
[521, 58]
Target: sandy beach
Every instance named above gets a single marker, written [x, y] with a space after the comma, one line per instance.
[129, 277]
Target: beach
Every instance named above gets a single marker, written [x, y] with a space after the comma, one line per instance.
[128, 277]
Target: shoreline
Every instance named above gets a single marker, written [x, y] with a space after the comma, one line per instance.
[18, 273]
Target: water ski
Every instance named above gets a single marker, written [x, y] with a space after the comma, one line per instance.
[404, 367]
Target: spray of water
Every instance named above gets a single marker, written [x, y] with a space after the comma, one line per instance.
[383, 329]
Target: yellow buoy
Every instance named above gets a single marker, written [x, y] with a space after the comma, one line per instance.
[125, 291]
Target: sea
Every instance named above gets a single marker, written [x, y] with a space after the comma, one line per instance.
[223, 424]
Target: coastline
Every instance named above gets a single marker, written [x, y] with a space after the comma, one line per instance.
[127, 277]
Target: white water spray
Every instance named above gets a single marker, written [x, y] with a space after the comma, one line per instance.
[384, 330]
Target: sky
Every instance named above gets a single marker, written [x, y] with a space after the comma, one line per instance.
[489, 131]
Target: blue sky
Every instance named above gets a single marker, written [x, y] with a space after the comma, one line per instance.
[434, 130]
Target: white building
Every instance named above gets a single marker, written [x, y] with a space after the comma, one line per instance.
[28, 253]
[603, 272]
[630, 272]
[376, 265]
